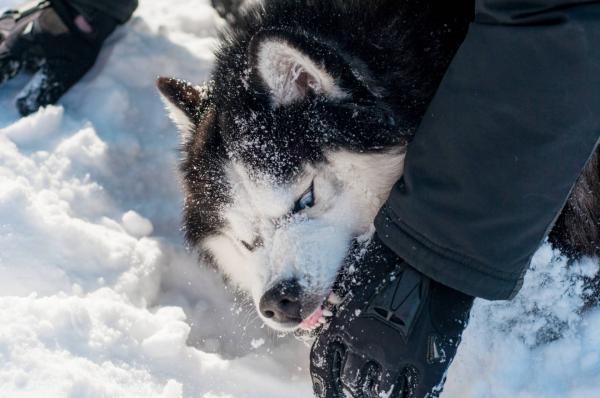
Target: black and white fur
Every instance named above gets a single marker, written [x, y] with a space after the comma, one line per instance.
[292, 147]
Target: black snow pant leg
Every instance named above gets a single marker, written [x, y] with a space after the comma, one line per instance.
[512, 125]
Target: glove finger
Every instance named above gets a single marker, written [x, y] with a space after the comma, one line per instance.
[359, 375]
[369, 378]
[403, 385]
[325, 368]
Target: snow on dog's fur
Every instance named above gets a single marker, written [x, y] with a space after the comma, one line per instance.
[264, 241]
[292, 147]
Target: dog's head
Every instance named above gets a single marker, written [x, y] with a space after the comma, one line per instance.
[288, 154]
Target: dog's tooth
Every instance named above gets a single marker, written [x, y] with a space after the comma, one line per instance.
[327, 313]
[334, 299]
[322, 320]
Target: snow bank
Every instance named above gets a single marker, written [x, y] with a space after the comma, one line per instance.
[537, 345]
[98, 297]
[99, 345]
[35, 127]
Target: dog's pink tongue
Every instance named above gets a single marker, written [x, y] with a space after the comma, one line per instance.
[312, 320]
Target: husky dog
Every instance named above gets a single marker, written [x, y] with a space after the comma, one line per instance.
[294, 144]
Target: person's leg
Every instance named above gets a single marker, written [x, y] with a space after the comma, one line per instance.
[507, 135]
[511, 127]
[60, 44]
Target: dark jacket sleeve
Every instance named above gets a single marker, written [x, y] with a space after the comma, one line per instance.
[505, 138]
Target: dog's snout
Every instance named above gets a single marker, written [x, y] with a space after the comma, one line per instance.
[282, 302]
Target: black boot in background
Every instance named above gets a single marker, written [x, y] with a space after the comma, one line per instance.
[59, 46]
[17, 52]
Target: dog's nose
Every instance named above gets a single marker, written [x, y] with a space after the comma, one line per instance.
[282, 303]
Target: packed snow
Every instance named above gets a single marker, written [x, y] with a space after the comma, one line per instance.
[100, 298]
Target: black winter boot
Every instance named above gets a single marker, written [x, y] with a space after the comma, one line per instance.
[394, 335]
[59, 46]
[16, 49]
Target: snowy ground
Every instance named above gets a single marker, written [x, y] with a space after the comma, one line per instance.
[98, 297]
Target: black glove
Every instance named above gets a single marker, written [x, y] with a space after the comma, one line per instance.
[55, 42]
[394, 335]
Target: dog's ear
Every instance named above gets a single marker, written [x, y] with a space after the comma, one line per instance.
[289, 73]
[188, 105]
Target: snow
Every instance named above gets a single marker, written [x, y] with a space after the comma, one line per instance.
[537, 345]
[257, 343]
[136, 225]
[99, 297]
[35, 127]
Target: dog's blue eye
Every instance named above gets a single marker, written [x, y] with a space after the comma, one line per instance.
[306, 201]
